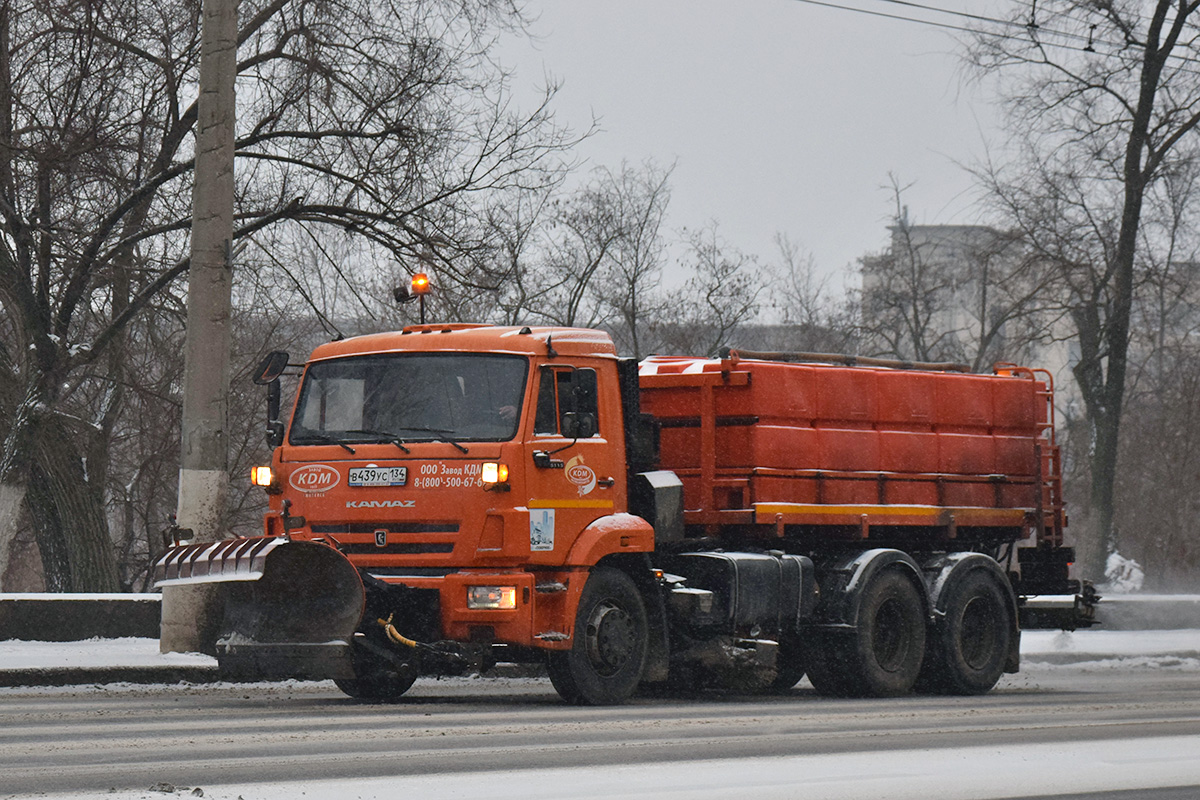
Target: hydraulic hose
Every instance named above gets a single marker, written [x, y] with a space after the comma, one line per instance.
[446, 649]
[395, 635]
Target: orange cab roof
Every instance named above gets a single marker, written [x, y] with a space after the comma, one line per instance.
[474, 339]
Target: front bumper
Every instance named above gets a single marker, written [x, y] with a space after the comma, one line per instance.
[543, 616]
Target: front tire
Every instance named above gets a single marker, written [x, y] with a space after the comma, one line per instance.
[608, 654]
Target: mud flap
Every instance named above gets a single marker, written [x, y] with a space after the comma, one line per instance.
[290, 607]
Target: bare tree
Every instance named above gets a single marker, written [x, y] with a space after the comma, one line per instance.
[965, 293]
[1155, 494]
[1158, 509]
[1102, 99]
[716, 301]
[590, 257]
[386, 121]
[907, 294]
[630, 280]
[805, 313]
[799, 293]
[587, 229]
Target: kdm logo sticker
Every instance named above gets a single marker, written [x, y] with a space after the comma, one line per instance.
[315, 478]
[581, 475]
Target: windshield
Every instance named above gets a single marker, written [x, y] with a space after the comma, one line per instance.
[410, 397]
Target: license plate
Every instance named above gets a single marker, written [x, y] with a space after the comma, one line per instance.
[378, 476]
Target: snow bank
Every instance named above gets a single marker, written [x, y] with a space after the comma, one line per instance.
[1122, 575]
[126, 652]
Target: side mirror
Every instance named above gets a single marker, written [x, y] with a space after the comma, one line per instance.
[267, 374]
[270, 368]
[578, 425]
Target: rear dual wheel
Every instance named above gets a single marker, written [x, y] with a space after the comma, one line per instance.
[968, 647]
[882, 656]
[608, 654]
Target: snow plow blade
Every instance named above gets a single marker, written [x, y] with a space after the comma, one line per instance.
[290, 607]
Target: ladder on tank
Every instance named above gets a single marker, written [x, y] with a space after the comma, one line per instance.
[1050, 499]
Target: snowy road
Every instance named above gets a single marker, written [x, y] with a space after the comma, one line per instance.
[1093, 727]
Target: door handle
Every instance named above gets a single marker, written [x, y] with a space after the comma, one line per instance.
[607, 483]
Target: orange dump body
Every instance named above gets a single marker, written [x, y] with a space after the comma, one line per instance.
[820, 451]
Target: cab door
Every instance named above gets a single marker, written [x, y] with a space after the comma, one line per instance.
[575, 469]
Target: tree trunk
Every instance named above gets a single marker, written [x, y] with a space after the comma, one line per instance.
[67, 508]
[1105, 431]
[15, 463]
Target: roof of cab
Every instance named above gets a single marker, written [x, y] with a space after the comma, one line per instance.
[463, 337]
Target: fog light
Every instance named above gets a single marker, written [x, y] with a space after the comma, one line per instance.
[494, 597]
[494, 473]
[261, 476]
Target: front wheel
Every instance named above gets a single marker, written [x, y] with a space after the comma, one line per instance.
[605, 662]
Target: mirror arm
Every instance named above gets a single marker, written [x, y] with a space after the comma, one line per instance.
[274, 426]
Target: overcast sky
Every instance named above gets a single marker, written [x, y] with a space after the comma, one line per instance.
[779, 115]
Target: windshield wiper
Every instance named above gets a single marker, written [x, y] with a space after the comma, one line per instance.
[435, 438]
[387, 437]
[324, 438]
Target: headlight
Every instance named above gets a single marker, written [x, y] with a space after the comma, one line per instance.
[492, 597]
[261, 476]
[494, 473]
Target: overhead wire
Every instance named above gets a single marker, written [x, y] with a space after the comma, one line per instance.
[1032, 32]
[1023, 29]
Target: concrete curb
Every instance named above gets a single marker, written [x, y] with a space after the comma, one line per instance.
[83, 676]
[74, 617]
[1066, 659]
[172, 674]
[1144, 612]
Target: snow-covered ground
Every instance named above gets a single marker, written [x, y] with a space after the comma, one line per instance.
[975, 773]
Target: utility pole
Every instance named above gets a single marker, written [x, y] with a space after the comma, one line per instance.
[188, 612]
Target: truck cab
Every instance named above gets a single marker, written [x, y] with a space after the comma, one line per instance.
[483, 466]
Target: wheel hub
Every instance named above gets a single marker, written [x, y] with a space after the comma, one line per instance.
[890, 637]
[610, 638]
[980, 635]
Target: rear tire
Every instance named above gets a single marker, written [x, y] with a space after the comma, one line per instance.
[826, 657]
[608, 654]
[883, 655]
[968, 647]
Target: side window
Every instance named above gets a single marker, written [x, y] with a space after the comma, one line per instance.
[566, 397]
[546, 421]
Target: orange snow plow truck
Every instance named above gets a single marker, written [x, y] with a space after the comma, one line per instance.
[447, 496]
